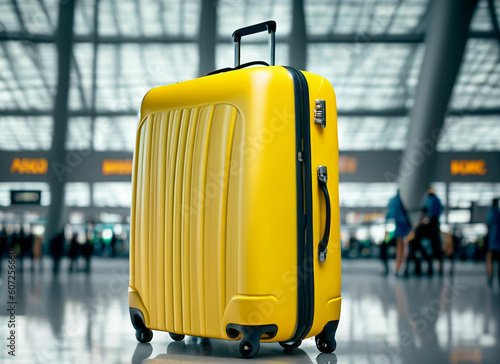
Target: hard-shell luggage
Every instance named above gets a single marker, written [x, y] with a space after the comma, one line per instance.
[235, 222]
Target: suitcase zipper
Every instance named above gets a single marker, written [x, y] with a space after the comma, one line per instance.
[305, 268]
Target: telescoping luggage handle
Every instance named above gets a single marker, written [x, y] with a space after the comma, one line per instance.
[323, 244]
[267, 26]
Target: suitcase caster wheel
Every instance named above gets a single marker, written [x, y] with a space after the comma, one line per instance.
[249, 350]
[290, 347]
[324, 345]
[144, 335]
[176, 337]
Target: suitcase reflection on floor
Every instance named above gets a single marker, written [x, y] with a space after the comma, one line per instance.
[205, 350]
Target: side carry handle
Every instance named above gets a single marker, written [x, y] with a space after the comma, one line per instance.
[323, 244]
[269, 26]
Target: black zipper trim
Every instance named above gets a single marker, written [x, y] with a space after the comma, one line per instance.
[305, 259]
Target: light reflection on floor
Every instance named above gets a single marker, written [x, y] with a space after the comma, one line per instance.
[77, 318]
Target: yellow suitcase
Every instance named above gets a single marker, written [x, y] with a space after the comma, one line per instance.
[232, 208]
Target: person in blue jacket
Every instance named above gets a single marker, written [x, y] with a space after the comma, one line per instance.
[434, 209]
[397, 213]
[493, 223]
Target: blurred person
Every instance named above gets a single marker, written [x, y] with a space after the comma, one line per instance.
[74, 252]
[56, 249]
[88, 249]
[4, 237]
[434, 209]
[493, 252]
[354, 245]
[450, 246]
[416, 250]
[113, 243]
[397, 212]
[37, 252]
[26, 241]
[14, 242]
[20, 246]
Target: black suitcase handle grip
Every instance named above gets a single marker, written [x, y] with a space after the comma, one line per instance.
[267, 26]
[323, 244]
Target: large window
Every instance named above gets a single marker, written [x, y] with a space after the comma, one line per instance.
[112, 194]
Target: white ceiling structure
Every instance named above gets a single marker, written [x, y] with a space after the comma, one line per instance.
[375, 82]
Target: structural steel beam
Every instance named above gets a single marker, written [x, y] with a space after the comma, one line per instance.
[207, 37]
[93, 94]
[64, 37]
[396, 112]
[327, 38]
[297, 47]
[448, 30]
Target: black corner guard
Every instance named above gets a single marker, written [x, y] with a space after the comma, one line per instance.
[137, 318]
[329, 330]
[255, 332]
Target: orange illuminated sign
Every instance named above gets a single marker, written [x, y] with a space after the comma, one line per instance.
[29, 166]
[114, 167]
[348, 165]
[468, 167]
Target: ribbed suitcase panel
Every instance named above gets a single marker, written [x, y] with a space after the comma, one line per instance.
[219, 158]
[180, 208]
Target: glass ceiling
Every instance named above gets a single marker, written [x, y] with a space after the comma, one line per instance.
[115, 133]
[478, 83]
[126, 72]
[372, 133]
[110, 133]
[482, 17]
[234, 14]
[368, 76]
[36, 17]
[470, 133]
[139, 18]
[368, 17]
[25, 133]
[28, 75]
[148, 43]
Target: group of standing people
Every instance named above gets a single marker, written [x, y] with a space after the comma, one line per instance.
[23, 242]
[493, 240]
[57, 248]
[28, 246]
[409, 239]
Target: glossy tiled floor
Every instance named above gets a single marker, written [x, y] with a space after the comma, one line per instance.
[79, 318]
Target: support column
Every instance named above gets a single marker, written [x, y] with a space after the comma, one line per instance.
[446, 202]
[297, 45]
[207, 37]
[93, 100]
[58, 168]
[445, 41]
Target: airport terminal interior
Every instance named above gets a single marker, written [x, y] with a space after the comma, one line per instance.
[417, 85]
